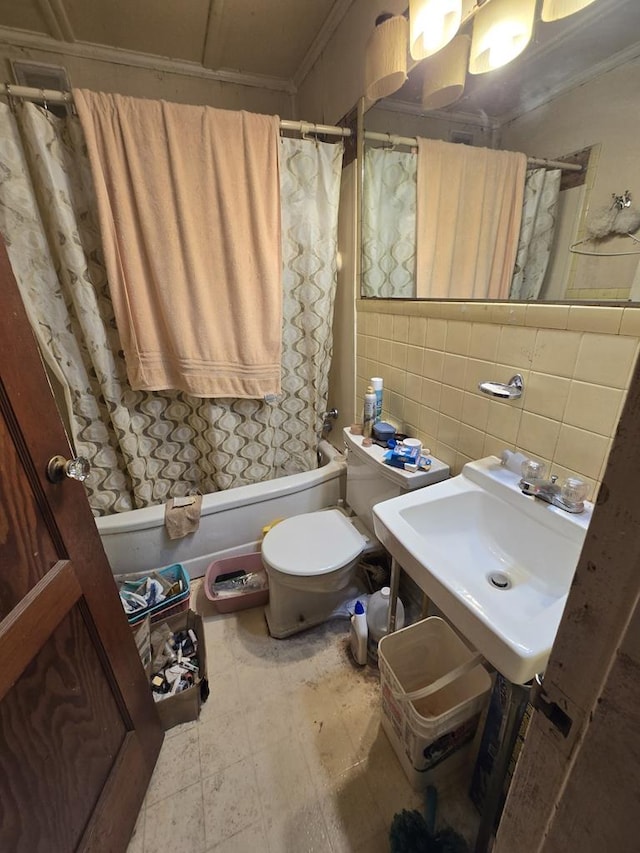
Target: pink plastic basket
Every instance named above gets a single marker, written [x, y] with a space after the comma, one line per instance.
[241, 601]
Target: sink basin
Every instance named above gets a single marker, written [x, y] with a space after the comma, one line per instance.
[498, 563]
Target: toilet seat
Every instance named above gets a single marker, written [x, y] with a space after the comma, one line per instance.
[312, 544]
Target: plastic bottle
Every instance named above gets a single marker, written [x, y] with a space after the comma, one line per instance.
[376, 384]
[369, 414]
[359, 634]
[378, 616]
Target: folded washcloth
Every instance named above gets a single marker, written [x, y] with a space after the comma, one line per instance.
[182, 516]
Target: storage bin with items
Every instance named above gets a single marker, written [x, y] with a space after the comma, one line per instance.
[157, 594]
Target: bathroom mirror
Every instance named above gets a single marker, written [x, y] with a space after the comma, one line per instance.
[572, 95]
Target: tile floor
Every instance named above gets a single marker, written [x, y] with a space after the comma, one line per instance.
[288, 755]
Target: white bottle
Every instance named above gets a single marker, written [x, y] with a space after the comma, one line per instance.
[378, 616]
[376, 384]
[359, 633]
[369, 414]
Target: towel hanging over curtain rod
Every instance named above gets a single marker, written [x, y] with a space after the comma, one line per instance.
[53, 96]
[412, 141]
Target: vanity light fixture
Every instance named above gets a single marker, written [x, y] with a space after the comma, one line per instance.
[445, 73]
[386, 57]
[555, 10]
[433, 24]
[501, 31]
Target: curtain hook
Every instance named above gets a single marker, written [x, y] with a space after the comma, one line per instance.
[10, 99]
[44, 100]
[391, 143]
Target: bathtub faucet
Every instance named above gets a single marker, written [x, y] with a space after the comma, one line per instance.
[332, 414]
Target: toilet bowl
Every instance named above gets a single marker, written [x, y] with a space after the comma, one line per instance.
[311, 558]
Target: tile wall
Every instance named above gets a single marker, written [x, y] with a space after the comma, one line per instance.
[576, 362]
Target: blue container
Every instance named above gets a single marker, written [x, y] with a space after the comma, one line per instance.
[171, 605]
[383, 431]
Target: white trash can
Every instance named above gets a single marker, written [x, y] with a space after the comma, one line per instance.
[434, 689]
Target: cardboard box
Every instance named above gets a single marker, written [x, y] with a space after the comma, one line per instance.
[142, 635]
[490, 744]
[185, 707]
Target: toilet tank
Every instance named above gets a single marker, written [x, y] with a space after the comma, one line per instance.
[370, 480]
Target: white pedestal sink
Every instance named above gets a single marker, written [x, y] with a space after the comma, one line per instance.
[498, 563]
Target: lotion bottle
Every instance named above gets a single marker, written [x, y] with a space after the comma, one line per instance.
[369, 415]
[359, 633]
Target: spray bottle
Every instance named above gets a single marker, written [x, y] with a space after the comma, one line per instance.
[376, 384]
[369, 414]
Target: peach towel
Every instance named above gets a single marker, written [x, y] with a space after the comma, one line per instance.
[468, 215]
[189, 205]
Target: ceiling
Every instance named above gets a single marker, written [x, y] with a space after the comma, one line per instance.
[272, 39]
[276, 43]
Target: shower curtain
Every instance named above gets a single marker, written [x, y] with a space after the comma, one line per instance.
[389, 224]
[541, 192]
[145, 447]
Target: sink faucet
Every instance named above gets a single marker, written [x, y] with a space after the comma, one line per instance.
[569, 496]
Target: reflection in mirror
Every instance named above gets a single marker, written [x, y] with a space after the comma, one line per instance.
[570, 97]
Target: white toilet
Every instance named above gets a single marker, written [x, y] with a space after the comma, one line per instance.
[310, 559]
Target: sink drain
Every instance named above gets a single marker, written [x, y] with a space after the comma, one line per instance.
[499, 580]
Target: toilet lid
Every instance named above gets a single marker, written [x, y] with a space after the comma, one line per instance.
[315, 543]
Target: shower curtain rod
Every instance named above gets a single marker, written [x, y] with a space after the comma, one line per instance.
[53, 96]
[392, 139]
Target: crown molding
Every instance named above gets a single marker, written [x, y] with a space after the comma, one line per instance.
[132, 59]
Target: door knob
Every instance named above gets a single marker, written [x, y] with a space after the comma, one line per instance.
[76, 469]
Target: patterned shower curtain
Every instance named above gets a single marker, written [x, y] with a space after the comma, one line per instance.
[389, 224]
[146, 447]
[539, 214]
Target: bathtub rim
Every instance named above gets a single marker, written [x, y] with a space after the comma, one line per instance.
[222, 501]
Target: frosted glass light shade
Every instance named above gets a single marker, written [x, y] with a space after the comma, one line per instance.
[386, 58]
[501, 31]
[445, 73]
[554, 10]
[433, 24]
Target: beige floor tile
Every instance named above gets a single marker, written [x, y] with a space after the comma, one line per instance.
[283, 779]
[231, 802]
[329, 751]
[300, 829]
[250, 840]
[178, 766]
[224, 695]
[223, 742]
[176, 824]
[350, 811]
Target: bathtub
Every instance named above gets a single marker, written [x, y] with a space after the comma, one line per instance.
[231, 521]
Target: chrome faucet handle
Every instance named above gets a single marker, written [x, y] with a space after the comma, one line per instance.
[574, 491]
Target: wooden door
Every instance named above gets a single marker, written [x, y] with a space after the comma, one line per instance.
[79, 733]
[578, 788]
